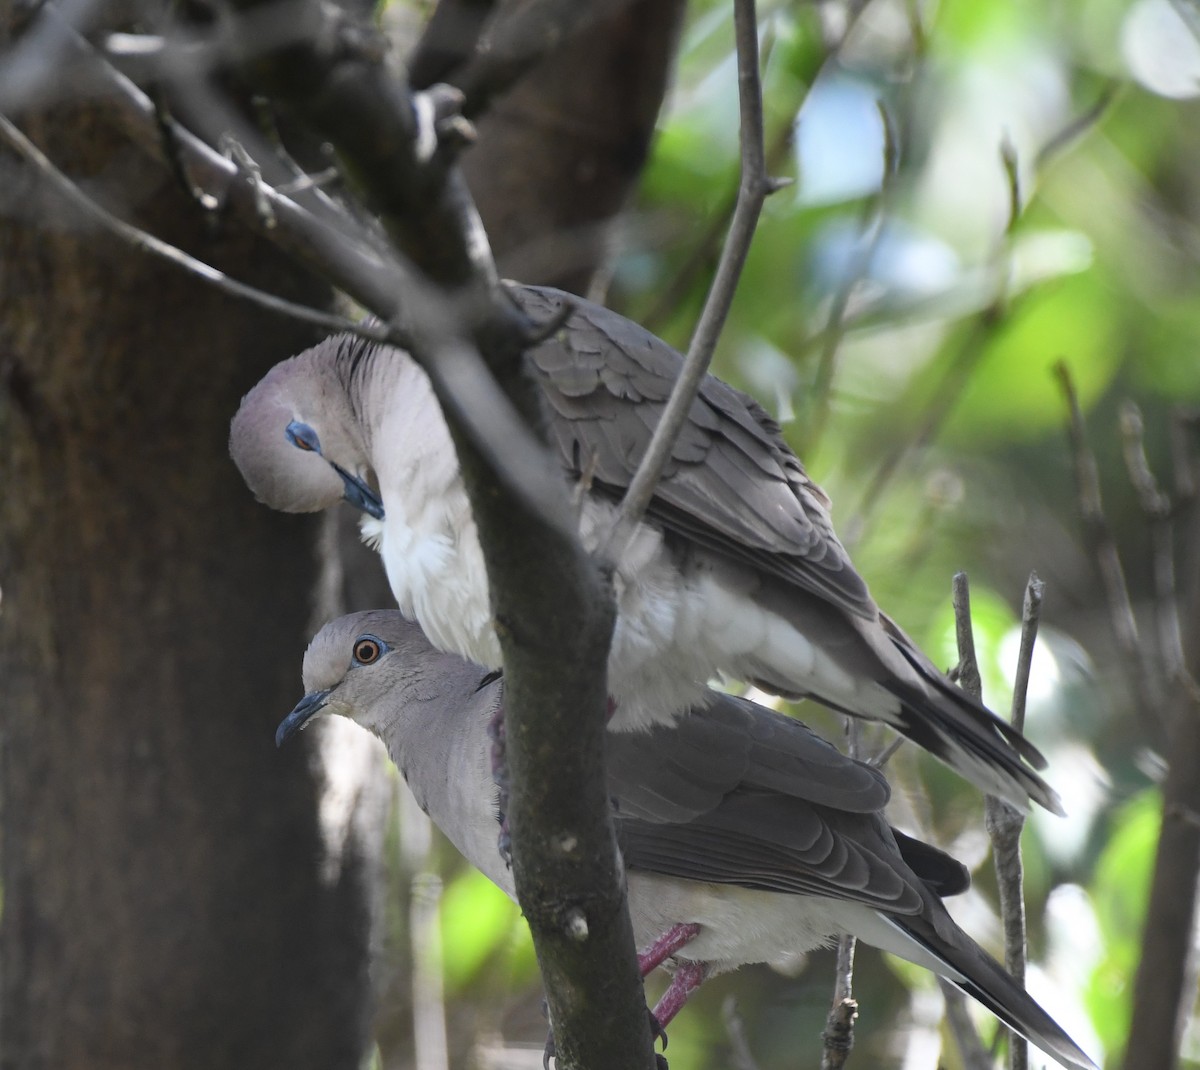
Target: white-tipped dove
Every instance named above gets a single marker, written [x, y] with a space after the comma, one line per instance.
[746, 837]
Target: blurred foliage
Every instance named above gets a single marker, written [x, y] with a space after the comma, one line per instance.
[902, 319]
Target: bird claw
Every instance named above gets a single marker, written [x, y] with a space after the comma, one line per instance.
[657, 1032]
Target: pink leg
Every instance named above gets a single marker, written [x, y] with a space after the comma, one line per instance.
[688, 977]
[666, 946]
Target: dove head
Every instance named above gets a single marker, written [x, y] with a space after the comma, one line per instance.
[296, 438]
[362, 666]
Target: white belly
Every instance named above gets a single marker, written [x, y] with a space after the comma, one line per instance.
[678, 625]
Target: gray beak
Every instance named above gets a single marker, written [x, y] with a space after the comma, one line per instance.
[306, 708]
[358, 494]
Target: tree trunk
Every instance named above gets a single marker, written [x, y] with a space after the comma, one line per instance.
[165, 903]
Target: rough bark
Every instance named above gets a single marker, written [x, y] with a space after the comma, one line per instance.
[163, 901]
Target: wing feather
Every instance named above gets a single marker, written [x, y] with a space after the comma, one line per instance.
[732, 484]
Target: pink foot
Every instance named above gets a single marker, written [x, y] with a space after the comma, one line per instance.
[688, 977]
[665, 946]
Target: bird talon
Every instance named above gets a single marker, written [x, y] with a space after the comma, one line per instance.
[657, 1032]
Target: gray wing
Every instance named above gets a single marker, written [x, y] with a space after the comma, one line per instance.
[737, 794]
[678, 772]
[732, 484]
[844, 857]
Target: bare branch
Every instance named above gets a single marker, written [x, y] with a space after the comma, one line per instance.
[1103, 548]
[1004, 823]
[1012, 176]
[519, 42]
[949, 389]
[835, 324]
[1031, 611]
[966, 1036]
[735, 1028]
[838, 1036]
[754, 188]
[336, 246]
[449, 41]
[1157, 508]
[1164, 985]
[967, 674]
[1059, 142]
[884, 756]
[839, 1031]
[147, 243]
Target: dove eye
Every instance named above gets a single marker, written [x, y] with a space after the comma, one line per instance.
[368, 649]
[303, 437]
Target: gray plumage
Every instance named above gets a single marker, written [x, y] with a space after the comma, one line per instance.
[735, 819]
[735, 570]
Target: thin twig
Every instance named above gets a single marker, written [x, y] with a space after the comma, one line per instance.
[966, 1036]
[1185, 472]
[967, 674]
[448, 42]
[1059, 142]
[1157, 508]
[735, 1029]
[1103, 549]
[986, 320]
[754, 188]
[518, 42]
[1164, 985]
[704, 249]
[702, 252]
[147, 243]
[835, 324]
[961, 365]
[1004, 823]
[884, 756]
[838, 1035]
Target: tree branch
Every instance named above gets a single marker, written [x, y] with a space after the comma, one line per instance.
[1099, 539]
[148, 243]
[335, 246]
[967, 675]
[449, 41]
[1164, 984]
[1004, 823]
[554, 636]
[1156, 507]
[754, 188]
